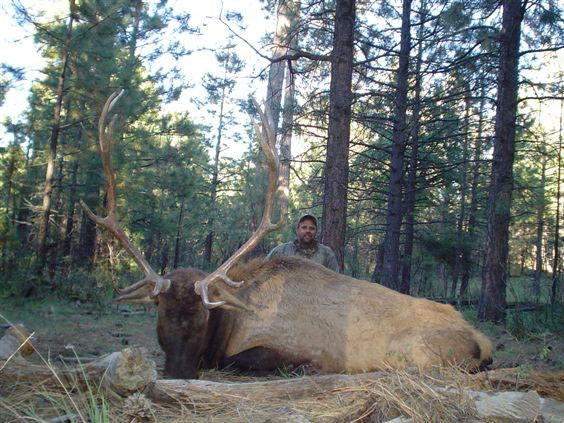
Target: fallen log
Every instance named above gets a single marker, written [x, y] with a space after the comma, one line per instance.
[493, 406]
[122, 372]
[15, 343]
[194, 391]
[509, 406]
[515, 379]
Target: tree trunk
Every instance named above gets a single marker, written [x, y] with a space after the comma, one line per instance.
[9, 177]
[555, 276]
[460, 235]
[389, 274]
[9, 216]
[336, 171]
[471, 230]
[524, 254]
[409, 208]
[411, 184]
[56, 235]
[494, 278]
[355, 268]
[540, 227]
[280, 43]
[67, 243]
[150, 247]
[164, 256]
[178, 235]
[286, 136]
[52, 156]
[85, 253]
[208, 246]
[285, 12]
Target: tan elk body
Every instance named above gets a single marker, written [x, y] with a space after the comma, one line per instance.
[339, 323]
[289, 311]
[299, 312]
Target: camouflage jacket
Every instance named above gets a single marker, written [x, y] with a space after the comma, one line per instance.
[318, 253]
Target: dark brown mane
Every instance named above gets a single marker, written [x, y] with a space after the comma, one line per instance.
[248, 270]
[186, 274]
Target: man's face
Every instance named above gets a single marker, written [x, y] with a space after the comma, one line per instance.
[306, 231]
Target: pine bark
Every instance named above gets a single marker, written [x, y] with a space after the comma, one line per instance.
[69, 224]
[53, 141]
[85, 253]
[9, 215]
[178, 240]
[286, 15]
[208, 245]
[411, 183]
[473, 210]
[56, 234]
[389, 274]
[286, 140]
[336, 171]
[540, 229]
[276, 72]
[555, 260]
[164, 256]
[493, 296]
[460, 233]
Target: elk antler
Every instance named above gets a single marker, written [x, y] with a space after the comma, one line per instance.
[110, 222]
[266, 226]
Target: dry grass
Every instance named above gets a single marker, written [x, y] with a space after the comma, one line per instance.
[437, 396]
[423, 397]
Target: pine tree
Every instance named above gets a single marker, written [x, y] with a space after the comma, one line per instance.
[492, 300]
[336, 170]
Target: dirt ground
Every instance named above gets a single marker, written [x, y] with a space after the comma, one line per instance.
[67, 329]
[75, 329]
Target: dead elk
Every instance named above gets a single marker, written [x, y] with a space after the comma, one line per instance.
[292, 311]
[288, 311]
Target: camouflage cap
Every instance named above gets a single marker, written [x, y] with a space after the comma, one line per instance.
[307, 217]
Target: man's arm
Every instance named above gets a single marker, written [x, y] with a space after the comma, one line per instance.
[331, 260]
[276, 251]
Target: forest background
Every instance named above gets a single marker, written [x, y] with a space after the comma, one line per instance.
[426, 135]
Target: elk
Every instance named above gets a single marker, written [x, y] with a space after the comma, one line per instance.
[287, 312]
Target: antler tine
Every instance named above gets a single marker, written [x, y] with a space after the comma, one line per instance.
[266, 226]
[272, 160]
[109, 222]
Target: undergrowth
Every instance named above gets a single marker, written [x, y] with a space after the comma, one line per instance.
[70, 400]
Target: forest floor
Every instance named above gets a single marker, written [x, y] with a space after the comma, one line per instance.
[74, 329]
[69, 329]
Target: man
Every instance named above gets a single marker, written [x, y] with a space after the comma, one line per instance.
[306, 246]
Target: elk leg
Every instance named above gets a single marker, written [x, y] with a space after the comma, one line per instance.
[259, 359]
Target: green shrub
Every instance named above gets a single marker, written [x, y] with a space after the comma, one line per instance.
[526, 324]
